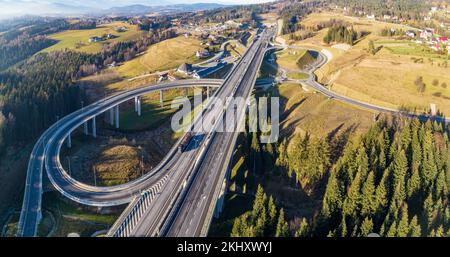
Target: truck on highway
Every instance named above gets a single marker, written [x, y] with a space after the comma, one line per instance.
[185, 142]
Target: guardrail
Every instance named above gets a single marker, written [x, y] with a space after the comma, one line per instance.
[125, 224]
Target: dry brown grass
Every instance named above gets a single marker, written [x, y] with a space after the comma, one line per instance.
[316, 114]
[386, 78]
[118, 164]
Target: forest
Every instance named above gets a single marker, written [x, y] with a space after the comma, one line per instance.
[393, 180]
[38, 91]
[405, 9]
[341, 34]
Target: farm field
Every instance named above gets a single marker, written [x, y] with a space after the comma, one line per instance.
[162, 56]
[78, 40]
[388, 77]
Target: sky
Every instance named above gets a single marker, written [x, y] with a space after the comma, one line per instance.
[11, 8]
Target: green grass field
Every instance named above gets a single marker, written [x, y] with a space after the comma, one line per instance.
[78, 40]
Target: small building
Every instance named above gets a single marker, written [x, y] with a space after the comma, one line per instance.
[370, 16]
[411, 34]
[185, 68]
[202, 54]
[94, 39]
[443, 40]
[426, 34]
[163, 76]
[121, 29]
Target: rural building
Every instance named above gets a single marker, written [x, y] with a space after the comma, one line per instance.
[443, 40]
[121, 29]
[426, 34]
[411, 33]
[202, 54]
[163, 76]
[185, 68]
[94, 39]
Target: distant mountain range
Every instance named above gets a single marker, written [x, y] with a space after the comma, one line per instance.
[15, 8]
[143, 9]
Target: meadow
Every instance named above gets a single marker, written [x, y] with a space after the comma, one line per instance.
[388, 77]
[78, 40]
[162, 56]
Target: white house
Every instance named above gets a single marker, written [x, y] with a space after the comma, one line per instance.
[410, 34]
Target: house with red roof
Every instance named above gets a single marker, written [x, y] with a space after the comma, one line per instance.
[443, 40]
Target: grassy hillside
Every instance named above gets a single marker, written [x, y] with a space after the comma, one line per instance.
[79, 39]
[294, 59]
[165, 55]
[386, 78]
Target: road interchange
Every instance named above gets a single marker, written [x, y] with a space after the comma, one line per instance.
[173, 211]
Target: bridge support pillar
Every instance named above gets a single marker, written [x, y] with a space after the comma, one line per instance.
[161, 98]
[220, 199]
[69, 141]
[85, 128]
[111, 116]
[139, 105]
[135, 103]
[117, 115]
[94, 127]
[207, 92]
[186, 92]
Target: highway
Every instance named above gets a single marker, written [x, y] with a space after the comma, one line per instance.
[194, 214]
[178, 197]
[46, 153]
[155, 220]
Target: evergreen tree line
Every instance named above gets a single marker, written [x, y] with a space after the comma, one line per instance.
[36, 92]
[341, 34]
[404, 9]
[293, 13]
[307, 161]
[393, 181]
[19, 43]
[264, 220]
[389, 32]
[124, 51]
[21, 48]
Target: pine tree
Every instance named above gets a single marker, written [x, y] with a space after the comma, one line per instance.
[413, 185]
[352, 202]
[368, 201]
[282, 225]
[366, 227]
[414, 228]
[272, 213]
[303, 230]
[403, 228]
[342, 229]
[392, 232]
